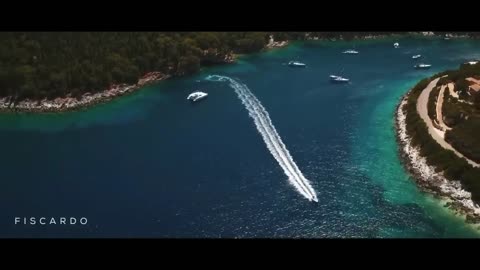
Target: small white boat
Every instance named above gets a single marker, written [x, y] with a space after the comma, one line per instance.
[416, 56]
[197, 96]
[422, 66]
[296, 64]
[338, 79]
[396, 45]
[350, 52]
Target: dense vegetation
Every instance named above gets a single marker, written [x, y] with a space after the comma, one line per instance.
[465, 137]
[455, 112]
[432, 103]
[53, 64]
[464, 118]
[37, 65]
[458, 78]
[465, 122]
[454, 168]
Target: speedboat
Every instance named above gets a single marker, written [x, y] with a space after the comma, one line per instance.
[338, 79]
[197, 96]
[422, 66]
[416, 56]
[350, 52]
[296, 64]
[396, 45]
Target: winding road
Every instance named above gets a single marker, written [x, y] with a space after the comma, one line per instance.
[437, 135]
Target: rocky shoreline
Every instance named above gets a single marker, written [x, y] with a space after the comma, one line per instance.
[275, 44]
[458, 200]
[71, 104]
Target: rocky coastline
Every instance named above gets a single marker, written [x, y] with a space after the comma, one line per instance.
[426, 177]
[275, 44]
[70, 104]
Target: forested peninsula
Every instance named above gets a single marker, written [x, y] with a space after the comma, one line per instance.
[438, 123]
[56, 71]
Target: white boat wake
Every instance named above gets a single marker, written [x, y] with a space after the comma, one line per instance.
[270, 136]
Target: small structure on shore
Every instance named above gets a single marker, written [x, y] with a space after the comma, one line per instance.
[474, 87]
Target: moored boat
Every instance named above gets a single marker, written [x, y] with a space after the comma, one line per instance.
[338, 79]
[423, 66]
[296, 64]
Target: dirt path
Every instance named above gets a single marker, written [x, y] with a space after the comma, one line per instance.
[439, 109]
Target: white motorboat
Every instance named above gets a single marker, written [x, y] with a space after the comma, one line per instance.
[197, 96]
[396, 45]
[350, 52]
[416, 56]
[296, 64]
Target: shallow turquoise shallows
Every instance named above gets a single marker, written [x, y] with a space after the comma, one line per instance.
[155, 165]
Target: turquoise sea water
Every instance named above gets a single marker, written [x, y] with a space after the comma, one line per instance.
[153, 165]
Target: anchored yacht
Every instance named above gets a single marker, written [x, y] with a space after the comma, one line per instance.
[296, 64]
[338, 79]
[422, 66]
[350, 52]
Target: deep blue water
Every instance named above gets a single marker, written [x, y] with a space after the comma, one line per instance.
[154, 165]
